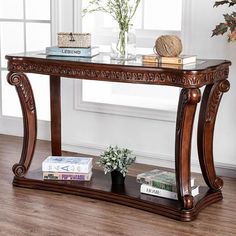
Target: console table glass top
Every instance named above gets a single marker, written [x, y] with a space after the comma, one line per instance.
[104, 58]
[101, 67]
[212, 74]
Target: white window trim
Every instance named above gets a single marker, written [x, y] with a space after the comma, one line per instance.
[147, 113]
[122, 110]
[13, 125]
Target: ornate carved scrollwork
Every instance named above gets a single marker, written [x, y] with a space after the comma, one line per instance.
[26, 97]
[207, 116]
[18, 79]
[184, 124]
[19, 170]
[218, 183]
[213, 105]
[185, 116]
[191, 96]
[132, 74]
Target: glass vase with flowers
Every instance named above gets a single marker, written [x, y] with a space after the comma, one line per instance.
[122, 11]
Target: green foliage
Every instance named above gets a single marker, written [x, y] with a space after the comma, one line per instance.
[115, 158]
[229, 2]
[229, 25]
[121, 10]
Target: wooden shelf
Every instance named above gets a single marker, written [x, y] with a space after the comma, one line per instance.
[100, 188]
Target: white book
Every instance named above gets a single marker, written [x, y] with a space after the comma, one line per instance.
[147, 189]
[67, 164]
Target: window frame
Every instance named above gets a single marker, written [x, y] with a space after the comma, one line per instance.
[54, 15]
[169, 114]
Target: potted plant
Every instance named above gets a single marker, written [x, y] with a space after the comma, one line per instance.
[116, 161]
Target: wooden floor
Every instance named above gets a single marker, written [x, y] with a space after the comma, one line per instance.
[33, 212]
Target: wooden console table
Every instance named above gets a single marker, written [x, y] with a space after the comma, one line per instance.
[209, 73]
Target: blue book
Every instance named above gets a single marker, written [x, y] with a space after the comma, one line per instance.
[73, 52]
[67, 164]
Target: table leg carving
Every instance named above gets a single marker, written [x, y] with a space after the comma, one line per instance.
[26, 97]
[55, 97]
[210, 103]
[186, 111]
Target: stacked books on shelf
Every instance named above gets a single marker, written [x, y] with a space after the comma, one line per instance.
[67, 168]
[162, 184]
[180, 60]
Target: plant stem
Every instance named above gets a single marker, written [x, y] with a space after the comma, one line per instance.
[122, 43]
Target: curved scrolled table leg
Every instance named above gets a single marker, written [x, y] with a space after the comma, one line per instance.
[26, 97]
[210, 103]
[186, 111]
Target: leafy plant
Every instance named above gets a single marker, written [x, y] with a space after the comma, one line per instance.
[115, 158]
[229, 24]
[122, 11]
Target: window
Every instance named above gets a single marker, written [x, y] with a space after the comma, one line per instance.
[153, 18]
[152, 15]
[25, 25]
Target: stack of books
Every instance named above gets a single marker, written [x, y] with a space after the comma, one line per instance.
[73, 52]
[67, 168]
[73, 45]
[180, 60]
[162, 184]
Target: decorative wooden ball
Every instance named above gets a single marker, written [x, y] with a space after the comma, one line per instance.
[168, 46]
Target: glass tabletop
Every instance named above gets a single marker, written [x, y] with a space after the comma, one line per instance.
[104, 58]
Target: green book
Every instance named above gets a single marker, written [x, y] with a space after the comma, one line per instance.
[160, 179]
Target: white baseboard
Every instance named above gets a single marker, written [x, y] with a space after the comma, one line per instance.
[157, 159]
[14, 126]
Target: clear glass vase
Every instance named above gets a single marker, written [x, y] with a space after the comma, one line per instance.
[123, 44]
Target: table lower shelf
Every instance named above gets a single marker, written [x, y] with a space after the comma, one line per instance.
[100, 188]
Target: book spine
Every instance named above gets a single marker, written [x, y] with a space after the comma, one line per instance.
[158, 192]
[175, 61]
[162, 185]
[152, 60]
[159, 184]
[171, 60]
[54, 167]
[66, 176]
[82, 52]
[157, 59]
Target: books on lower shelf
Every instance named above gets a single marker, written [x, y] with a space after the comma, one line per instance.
[160, 179]
[67, 164]
[162, 184]
[147, 189]
[67, 168]
[73, 52]
[67, 176]
[180, 60]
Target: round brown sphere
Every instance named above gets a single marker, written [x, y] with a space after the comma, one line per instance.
[168, 46]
